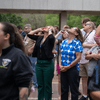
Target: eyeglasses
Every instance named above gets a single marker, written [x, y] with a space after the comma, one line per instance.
[87, 24]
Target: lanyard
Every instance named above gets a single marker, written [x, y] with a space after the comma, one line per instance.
[85, 37]
[25, 38]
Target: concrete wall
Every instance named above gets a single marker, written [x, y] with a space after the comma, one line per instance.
[51, 6]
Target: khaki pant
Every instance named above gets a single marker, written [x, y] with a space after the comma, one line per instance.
[83, 70]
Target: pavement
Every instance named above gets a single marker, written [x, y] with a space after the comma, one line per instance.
[34, 95]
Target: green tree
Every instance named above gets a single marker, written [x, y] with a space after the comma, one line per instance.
[94, 18]
[36, 20]
[52, 19]
[72, 20]
[12, 18]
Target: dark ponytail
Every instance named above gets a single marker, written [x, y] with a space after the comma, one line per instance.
[19, 42]
[15, 37]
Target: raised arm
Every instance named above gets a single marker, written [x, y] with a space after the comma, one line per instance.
[58, 34]
[35, 31]
[56, 40]
[51, 36]
[32, 34]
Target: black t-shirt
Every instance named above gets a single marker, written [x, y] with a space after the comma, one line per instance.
[15, 72]
[43, 51]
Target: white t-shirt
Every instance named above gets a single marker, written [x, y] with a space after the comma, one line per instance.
[94, 30]
[83, 32]
[88, 40]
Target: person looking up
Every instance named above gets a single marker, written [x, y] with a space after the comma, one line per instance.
[84, 21]
[45, 66]
[87, 44]
[71, 50]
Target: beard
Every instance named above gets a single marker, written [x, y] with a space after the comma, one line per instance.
[26, 32]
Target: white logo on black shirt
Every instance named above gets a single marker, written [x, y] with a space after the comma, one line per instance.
[5, 62]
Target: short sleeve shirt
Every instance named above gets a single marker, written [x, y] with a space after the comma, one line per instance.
[83, 32]
[88, 40]
[68, 51]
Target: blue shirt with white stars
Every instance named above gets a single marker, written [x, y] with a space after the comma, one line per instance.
[68, 51]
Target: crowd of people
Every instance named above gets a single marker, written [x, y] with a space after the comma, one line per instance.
[28, 60]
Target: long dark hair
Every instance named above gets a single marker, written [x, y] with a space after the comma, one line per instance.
[15, 37]
[79, 36]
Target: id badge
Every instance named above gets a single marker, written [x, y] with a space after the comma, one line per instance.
[25, 42]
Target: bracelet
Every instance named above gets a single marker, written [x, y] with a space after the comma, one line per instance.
[90, 52]
[71, 65]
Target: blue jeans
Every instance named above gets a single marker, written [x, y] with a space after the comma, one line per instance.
[33, 61]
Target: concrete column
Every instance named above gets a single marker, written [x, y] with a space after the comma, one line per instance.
[62, 19]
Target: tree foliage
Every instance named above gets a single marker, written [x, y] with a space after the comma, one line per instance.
[52, 19]
[72, 20]
[36, 20]
[41, 20]
[12, 18]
